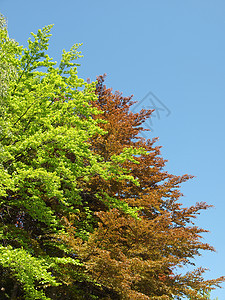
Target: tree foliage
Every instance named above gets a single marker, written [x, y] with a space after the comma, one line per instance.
[141, 259]
[45, 124]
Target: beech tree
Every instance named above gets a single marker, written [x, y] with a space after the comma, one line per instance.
[141, 258]
[45, 125]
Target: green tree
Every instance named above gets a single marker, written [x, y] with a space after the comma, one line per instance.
[45, 125]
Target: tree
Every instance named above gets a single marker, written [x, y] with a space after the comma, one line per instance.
[140, 259]
[45, 125]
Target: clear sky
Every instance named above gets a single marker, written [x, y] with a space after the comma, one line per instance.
[170, 54]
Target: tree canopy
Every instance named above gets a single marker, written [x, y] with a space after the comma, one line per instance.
[141, 259]
[46, 121]
[87, 210]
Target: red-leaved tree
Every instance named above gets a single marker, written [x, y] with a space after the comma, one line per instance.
[139, 258]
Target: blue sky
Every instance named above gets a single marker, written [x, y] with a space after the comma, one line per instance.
[172, 55]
